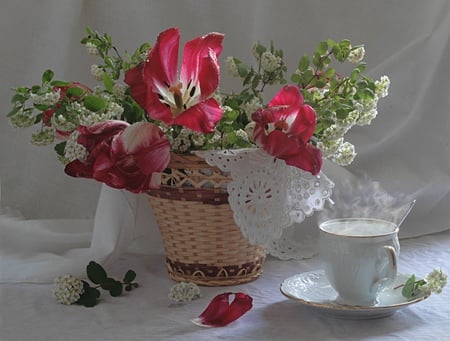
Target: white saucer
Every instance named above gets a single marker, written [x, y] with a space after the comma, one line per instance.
[313, 289]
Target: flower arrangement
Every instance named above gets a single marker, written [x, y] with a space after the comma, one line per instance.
[123, 131]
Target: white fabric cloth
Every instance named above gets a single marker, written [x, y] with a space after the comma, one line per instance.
[406, 148]
[29, 312]
[37, 251]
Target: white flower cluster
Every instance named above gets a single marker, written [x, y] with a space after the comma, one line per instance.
[249, 128]
[231, 66]
[22, 119]
[270, 62]
[356, 55]
[119, 90]
[382, 86]
[435, 282]
[68, 289]
[97, 72]
[92, 49]
[182, 142]
[43, 137]
[49, 98]
[73, 150]
[251, 106]
[242, 135]
[332, 144]
[198, 139]
[184, 292]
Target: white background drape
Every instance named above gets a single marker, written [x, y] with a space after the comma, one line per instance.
[406, 149]
[52, 224]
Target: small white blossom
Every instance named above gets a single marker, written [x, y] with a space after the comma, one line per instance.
[351, 118]
[345, 154]
[198, 139]
[270, 62]
[231, 66]
[119, 90]
[49, 98]
[356, 55]
[184, 292]
[435, 282]
[114, 110]
[43, 137]
[250, 107]
[22, 119]
[181, 143]
[97, 72]
[65, 123]
[329, 147]
[241, 134]
[319, 94]
[73, 150]
[382, 86]
[366, 104]
[67, 289]
[249, 128]
[216, 137]
[92, 49]
[335, 131]
[366, 118]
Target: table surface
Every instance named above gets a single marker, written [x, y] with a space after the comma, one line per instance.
[29, 311]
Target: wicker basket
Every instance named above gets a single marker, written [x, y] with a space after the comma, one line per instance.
[202, 243]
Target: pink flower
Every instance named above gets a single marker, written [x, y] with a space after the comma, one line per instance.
[284, 129]
[184, 100]
[122, 155]
[221, 312]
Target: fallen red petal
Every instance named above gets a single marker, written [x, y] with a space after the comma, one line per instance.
[221, 312]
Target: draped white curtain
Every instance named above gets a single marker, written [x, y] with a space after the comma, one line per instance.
[406, 149]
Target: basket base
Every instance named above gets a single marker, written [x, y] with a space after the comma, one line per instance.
[210, 275]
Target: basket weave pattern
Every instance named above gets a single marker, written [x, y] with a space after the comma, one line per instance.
[202, 243]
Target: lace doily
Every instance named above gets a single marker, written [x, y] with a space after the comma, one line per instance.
[268, 197]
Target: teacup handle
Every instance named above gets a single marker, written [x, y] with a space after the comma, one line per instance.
[392, 266]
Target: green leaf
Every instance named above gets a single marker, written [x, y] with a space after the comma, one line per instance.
[96, 273]
[322, 48]
[13, 111]
[329, 72]
[130, 276]
[89, 296]
[260, 49]
[242, 70]
[60, 83]
[59, 148]
[94, 103]
[47, 76]
[18, 98]
[408, 288]
[114, 287]
[74, 91]
[331, 43]
[108, 82]
[303, 63]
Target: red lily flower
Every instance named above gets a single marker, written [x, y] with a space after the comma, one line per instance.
[221, 312]
[122, 155]
[184, 100]
[284, 129]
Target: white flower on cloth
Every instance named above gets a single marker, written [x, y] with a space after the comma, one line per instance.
[184, 292]
[436, 280]
[68, 289]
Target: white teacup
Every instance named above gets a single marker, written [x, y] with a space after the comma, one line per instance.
[359, 257]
